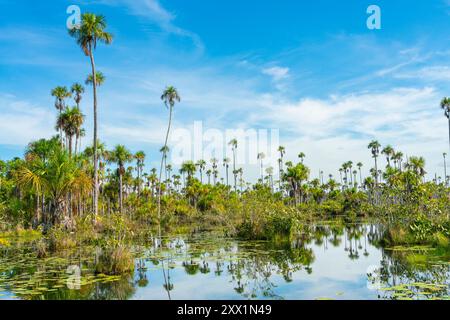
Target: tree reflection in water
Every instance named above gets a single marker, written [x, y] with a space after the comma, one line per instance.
[254, 269]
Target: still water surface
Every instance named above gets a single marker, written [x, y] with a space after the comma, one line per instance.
[323, 262]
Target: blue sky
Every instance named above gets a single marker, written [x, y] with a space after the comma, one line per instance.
[311, 69]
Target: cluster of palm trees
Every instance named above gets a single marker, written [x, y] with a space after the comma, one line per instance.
[62, 180]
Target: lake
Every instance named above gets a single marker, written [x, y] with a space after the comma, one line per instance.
[324, 261]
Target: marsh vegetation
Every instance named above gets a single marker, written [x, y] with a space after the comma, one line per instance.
[101, 210]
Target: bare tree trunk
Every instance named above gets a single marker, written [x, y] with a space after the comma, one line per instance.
[120, 192]
[94, 86]
[162, 163]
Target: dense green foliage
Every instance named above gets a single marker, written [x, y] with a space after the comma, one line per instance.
[105, 196]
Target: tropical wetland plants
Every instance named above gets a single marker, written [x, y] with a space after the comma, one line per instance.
[98, 221]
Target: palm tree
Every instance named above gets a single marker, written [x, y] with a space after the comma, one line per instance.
[389, 152]
[70, 122]
[91, 31]
[170, 97]
[295, 176]
[397, 157]
[201, 165]
[99, 79]
[301, 156]
[375, 146]
[56, 177]
[417, 165]
[261, 157]
[445, 105]
[234, 144]
[121, 156]
[215, 172]
[60, 93]
[282, 151]
[189, 168]
[226, 164]
[445, 168]
[360, 165]
[77, 91]
[209, 173]
[269, 172]
[140, 159]
[165, 152]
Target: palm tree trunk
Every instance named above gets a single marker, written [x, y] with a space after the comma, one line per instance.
[376, 171]
[70, 146]
[120, 191]
[234, 169]
[449, 132]
[445, 171]
[162, 163]
[94, 86]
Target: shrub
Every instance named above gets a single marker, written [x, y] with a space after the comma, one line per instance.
[115, 260]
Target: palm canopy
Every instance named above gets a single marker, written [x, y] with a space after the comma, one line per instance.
[445, 105]
[120, 155]
[375, 147]
[170, 96]
[388, 151]
[60, 93]
[140, 155]
[70, 121]
[99, 79]
[188, 167]
[91, 31]
[233, 143]
[77, 90]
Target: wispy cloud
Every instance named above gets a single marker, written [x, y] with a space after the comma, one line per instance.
[23, 121]
[433, 73]
[153, 11]
[277, 73]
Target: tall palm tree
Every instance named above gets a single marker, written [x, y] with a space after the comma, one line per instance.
[445, 168]
[226, 164]
[234, 144]
[140, 159]
[121, 156]
[261, 157]
[295, 175]
[99, 79]
[389, 152]
[60, 94]
[91, 31]
[417, 165]
[170, 97]
[397, 157]
[201, 165]
[445, 105]
[77, 91]
[189, 168]
[208, 174]
[301, 156]
[70, 122]
[282, 151]
[360, 165]
[269, 172]
[375, 146]
[215, 172]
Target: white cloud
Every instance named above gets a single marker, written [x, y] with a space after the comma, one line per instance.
[334, 130]
[277, 73]
[433, 73]
[23, 121]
